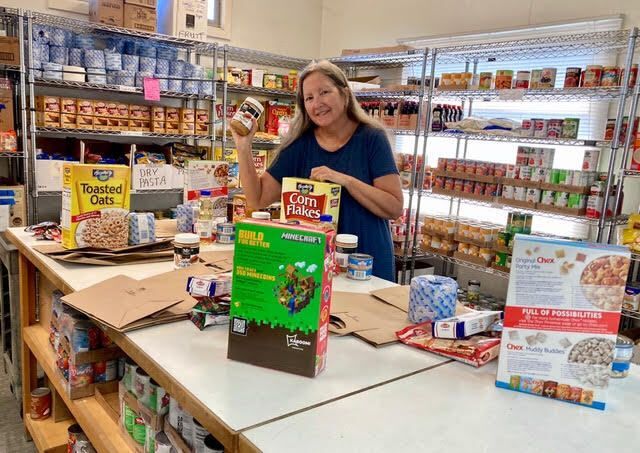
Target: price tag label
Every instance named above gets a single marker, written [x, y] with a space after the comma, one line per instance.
[127, 89]
[511, 95]
[129, 133]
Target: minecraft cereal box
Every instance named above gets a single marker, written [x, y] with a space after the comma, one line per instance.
[281, 296]
[305, 200]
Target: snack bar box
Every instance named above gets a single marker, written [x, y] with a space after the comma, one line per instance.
[561, 319]
[305, 200]
[280, 297]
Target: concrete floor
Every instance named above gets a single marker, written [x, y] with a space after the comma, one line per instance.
[11, 428]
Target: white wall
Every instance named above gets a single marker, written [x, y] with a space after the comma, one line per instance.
[279, 26]
[366, 23]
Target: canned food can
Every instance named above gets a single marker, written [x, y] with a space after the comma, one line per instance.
[449, 183]
[595, 206]
[501, 259]
[522, 156]
[572, 77]
[500, 170]
[570, 128]
[482, 168]
[548, 197]
[534, 157]
[541, 127]
[470, 167]
[442, 163]
[610, 129]
[468, 186]
[533, 195]
[536, 79]
[458, 185]
[610, 76]
[485, 80]
[577, 201]
[490, 189]
[555, 128]
[504, 239]
[539, 174]
[40, 407]
[522, 79]
[360, 266]
[520, 193]
[548, 78]
[527, 128]
[592, 76]
[480, 188]
[525, 173]
[439, 182]
[226, 228]
[512, 172]
[451, 164]
[508, 192]
[226, 238]
[561, 199]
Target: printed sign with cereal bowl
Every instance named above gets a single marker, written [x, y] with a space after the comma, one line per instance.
[561, 319]
[95, 205]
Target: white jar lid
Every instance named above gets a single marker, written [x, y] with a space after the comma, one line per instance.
[261, 215]
[187, 238]
[350, 239]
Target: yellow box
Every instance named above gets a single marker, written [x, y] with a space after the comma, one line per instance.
[201, 129]
[172, 114]
[84, 106]
[123, 110]
[68, 105]
[123, 124]
[187, 128]
[157, 113]
[95, 204]
[47, 104]
[100, 108]
[113, 124]
[172, 127]
[202, 116]
[187, 115]
[158, 126]
[145, 112]
[305, 200]
[84, 122]
[68, 120]
[101, 123]
[48, 119]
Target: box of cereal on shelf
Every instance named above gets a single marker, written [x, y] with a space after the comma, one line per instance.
[95, 204]
[207, 175]
[281, 296]
[561, 319]
[305, 200]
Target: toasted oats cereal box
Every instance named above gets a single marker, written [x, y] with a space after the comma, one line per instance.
[95, 204]
[304, 200]
[561, 318]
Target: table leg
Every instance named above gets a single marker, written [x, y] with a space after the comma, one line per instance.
[27, 317]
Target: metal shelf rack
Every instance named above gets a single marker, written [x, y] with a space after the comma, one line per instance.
[132, 134]
[380, 61]
[469, 265]
[552, 94]
[520, 139]
[242, 55]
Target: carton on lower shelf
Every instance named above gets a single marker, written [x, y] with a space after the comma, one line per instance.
[281, 296]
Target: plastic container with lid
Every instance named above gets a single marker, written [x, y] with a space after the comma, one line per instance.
[473, 290]
[346, 244]
[242, 121]
[206, 205]
[186, 250]
[622, 357]
[326, 222]
[261, 215]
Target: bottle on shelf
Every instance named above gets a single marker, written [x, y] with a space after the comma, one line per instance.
[436, 119]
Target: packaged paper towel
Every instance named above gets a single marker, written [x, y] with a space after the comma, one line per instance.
[431, 298]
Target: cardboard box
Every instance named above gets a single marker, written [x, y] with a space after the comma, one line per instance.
[561, 319]
[187, 128]
[101, 123]
[590, 160]
[68, 105]
[95, 199]
[48, 104]
[100, 108]
[147, 3]
[305, 200]
[49, 175]
[6, 101]
[187, 115]
[280, 304]
[158, 126]
[110, 12]
[15, 197]
[151, 176]
[68, 120]
[9, 51]
[135, 124]
[84, 122]
[172, 127]
[123, 124]
[140, 18]
[135, 111]
[123, 110]
[184, 19]
[210, 175]
[172, 114]
[112, 110]
[113, 124]
[48, 119]
[201, 129]
[158, 113]
[145, 112]
[202, 116]
[84, 106]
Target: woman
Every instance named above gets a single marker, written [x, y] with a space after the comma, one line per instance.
[332, 139]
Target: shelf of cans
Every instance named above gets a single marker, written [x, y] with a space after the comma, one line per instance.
[479, 301]
[381, 60]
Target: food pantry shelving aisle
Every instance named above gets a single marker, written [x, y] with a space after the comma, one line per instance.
[456, 408]
[224, 395]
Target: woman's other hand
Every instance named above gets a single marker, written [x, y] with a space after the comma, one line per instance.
[326, 174]
[244, 142]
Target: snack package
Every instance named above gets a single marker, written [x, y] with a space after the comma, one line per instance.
[475, 350]
[142, 228]
[465, 325]
[210, 285]
[95, 204]
[210, 311]
[305, 200]
[207, 175]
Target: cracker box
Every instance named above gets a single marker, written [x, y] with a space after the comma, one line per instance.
[305, 200]
[561, 319]
[281, 296]
[95, 204]
[207, 175]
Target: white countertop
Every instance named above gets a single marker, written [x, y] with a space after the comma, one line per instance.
[243, 395]
[456, 408]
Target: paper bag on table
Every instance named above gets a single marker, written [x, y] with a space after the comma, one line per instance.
[122, 302]
[398, 296]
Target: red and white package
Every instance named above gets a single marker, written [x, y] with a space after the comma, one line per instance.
[475, 350]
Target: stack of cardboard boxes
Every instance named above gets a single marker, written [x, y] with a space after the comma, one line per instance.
[139, 15]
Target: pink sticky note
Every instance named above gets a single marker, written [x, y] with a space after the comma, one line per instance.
[151, 89]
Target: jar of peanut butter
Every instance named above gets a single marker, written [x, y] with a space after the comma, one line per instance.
[241, 122]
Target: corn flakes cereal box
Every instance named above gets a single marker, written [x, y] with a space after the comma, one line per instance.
[95, 204]
[281, 296]
[561, 318]
[305, 200]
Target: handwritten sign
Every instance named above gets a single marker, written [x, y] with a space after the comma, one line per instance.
[151, 89]
[151, 176]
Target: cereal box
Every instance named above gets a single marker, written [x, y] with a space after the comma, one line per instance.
[207, 175]
[305, 200]
[281, 296]
[561, 318]
[95, 203]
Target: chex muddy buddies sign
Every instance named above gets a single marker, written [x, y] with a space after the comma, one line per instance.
[305, 200]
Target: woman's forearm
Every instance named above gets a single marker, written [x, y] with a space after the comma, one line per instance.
[381, 203]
